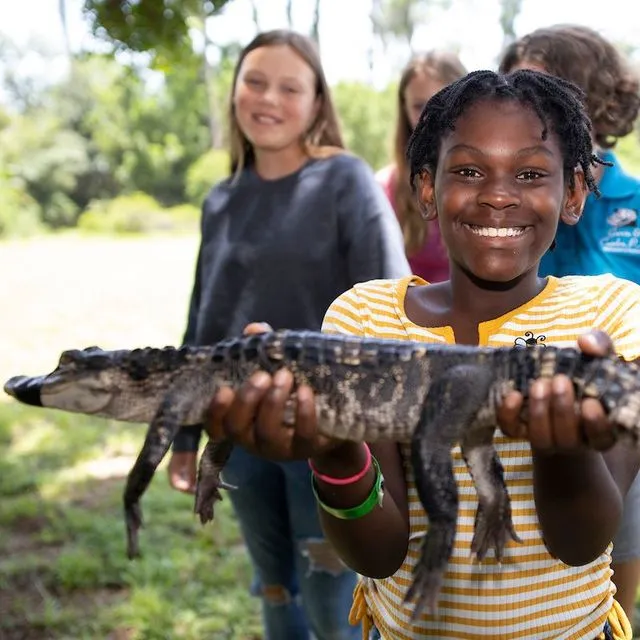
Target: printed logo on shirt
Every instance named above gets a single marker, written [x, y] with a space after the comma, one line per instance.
[623, 218]
[623, 233]
[530, 340]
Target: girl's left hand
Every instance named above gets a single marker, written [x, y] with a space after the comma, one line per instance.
[554, 423]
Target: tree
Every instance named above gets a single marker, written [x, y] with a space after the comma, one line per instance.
[315, 24]
[365, 115]
[62, 11]
[255, 15]
[23, 92]
[509, 11]
[153, 26]
[161, 28]
[290, 13]
[397, 19]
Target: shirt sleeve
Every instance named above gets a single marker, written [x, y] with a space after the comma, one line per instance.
[344, 315]
[188, 438]
[370, 235]
[194, 305]
[619, 316]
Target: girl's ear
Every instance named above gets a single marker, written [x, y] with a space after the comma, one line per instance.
[576, 197]
[425, 193]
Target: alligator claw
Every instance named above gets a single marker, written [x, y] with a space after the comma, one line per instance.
[207, 494]
[493, 529]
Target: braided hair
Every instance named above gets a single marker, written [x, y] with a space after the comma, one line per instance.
[557, 102]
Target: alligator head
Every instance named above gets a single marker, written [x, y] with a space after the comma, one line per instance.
[123, 384]
[83, 382]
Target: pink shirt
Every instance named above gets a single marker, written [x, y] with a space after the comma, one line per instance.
[431, 262]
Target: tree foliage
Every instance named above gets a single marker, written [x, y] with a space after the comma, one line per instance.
[509, 11]
[155, 26]
[102, 131]
[397, 19]
[367, 118]
[115, 128]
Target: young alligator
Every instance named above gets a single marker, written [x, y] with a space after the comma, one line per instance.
[366, 389]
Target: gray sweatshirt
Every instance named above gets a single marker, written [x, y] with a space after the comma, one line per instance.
[280, 251]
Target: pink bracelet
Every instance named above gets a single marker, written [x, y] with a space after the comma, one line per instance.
[343, 481]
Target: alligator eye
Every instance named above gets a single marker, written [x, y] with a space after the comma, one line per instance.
[69, 357]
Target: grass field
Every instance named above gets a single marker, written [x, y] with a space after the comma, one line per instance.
[63, 569]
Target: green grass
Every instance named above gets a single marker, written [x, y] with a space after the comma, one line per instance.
[63, 568]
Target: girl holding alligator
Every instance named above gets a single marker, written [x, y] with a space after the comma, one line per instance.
[498, 160]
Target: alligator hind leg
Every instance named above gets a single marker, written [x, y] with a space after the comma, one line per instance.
[161, 432]
[214, 457]
[450, 407]
[493, 524]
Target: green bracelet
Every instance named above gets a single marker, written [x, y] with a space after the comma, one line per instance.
[373, 499]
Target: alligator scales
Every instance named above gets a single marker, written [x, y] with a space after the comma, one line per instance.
[366, 390]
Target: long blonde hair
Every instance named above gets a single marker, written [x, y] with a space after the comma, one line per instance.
[323, 137]
[445, 67]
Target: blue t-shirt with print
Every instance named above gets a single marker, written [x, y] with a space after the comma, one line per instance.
[607, 237]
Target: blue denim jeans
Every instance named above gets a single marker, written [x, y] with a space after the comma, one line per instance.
[303, 586]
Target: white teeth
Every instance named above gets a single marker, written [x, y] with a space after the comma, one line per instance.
[265, 120]
[496, 232]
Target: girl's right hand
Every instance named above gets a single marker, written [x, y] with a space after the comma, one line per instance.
[254, 416]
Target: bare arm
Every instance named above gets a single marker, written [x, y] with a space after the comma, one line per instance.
[376, 544]
[579, 498]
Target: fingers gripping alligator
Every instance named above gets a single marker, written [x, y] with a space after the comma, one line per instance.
[366, 390]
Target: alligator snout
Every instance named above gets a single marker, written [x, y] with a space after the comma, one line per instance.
[25, 389]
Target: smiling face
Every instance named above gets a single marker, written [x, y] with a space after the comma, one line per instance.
[499, 191]
[275, 98]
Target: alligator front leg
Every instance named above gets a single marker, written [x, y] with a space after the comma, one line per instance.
[450, 407]
[161, 432]
[493, 523]
[214, 457]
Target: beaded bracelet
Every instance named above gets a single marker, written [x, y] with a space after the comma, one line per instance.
[344, 481]
[374, 498]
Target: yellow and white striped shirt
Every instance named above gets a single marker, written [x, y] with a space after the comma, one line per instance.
[531, 595]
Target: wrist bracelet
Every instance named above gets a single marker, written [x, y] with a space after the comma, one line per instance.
[374, 498]
[343, 481]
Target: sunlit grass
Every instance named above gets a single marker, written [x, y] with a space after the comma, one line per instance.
[65, 572]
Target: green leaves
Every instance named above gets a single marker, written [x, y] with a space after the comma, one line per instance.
[154, 26]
